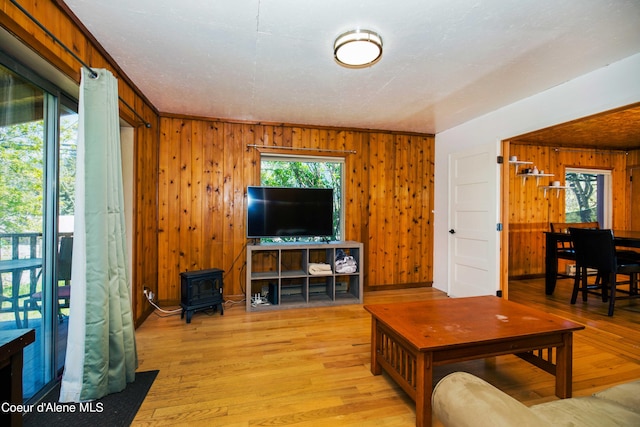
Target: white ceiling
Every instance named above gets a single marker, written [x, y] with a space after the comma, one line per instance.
[444, 62]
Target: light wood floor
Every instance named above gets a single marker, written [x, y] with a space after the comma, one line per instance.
[310, 367]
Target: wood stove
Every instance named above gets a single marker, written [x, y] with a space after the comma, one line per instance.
[200, 290]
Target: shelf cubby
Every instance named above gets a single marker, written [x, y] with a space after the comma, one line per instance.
[280, 274]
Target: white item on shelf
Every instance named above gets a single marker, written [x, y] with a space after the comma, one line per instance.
[346, 264]
[319, 269]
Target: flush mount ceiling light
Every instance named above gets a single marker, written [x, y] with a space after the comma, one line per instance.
[358, 48]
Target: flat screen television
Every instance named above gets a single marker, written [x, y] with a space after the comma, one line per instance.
[289, 212]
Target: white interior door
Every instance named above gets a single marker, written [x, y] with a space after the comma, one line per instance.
[473, 218]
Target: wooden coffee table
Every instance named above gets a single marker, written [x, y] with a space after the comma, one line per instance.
[409, 339]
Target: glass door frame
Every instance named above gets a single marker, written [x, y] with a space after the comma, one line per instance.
[54, 100]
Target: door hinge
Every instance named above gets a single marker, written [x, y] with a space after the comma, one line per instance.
[500, 160]
[499, 227]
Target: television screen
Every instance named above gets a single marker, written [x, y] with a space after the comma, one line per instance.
[289, 212]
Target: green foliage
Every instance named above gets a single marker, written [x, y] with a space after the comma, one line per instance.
[306, 174]
[21, 177]
[67, 158]
[22, 174]
[582, 199]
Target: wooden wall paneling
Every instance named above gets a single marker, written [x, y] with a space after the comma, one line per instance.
[196, 219]
[163, 204]
[400, 206]
[414, 207]
[286, 137]
[249, 175]
[65, 29]
[428, 194]
[235, 227]
[173, 219]
[419, 212]
[417, 187]
[389, 215]
[530, 212]
[362, 145]
[216, 199]
[184, 207]
[145, 220]
[328, 138]
[354, 209]
[232, 142]
[634, 198]
[295, 138]
[376, 204]
[386, 196]
[207, 191]
[315, 139]
[424, 189]
[633, 189]
[620, 192]
[529, 209]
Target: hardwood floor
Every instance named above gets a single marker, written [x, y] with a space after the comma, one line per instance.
[310, 367]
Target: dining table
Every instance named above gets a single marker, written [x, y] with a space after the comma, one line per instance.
[622, 239]
[16, 267]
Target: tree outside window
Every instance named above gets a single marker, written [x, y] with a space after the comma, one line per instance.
[306, 172]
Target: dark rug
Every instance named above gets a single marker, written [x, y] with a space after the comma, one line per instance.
[117, 409]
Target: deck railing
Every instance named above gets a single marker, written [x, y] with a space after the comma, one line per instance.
[20, 245]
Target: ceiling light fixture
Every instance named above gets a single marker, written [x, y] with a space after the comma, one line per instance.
[358, 48]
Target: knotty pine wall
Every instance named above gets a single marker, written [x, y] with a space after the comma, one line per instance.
[205, 166]
[530, 211]
[72, 34]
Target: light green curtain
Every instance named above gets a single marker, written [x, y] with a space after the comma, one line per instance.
[101, 353]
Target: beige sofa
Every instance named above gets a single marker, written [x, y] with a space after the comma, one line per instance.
[461, 399]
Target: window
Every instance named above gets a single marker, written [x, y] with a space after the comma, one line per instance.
[307, 172]
[38, 133]
[588, 197]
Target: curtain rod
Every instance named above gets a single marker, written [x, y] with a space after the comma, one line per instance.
[324, 150]
[582, 150]
[76, 57]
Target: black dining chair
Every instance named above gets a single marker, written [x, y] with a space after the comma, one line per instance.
[596, 249]
[564, 248]
[65, 256]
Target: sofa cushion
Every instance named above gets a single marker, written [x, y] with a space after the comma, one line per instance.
[464, 400]
[586, 411]
[627, 395]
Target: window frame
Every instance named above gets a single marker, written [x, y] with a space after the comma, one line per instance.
[308, 158]
[605, 213]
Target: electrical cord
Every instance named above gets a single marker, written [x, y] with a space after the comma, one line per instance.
[149, 297]
[176, 311]
[234, 262]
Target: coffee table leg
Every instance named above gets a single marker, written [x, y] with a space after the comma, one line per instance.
[376, 369]
[424, 389]
[564, 366]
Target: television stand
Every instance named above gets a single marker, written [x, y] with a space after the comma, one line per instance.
[280, 275]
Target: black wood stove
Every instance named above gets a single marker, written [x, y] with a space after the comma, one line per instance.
[200, 290]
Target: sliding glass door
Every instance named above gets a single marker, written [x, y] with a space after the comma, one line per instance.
[37, 173]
